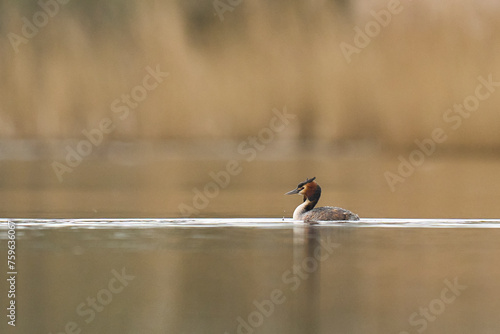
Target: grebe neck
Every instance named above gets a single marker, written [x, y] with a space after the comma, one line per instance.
[309, 204]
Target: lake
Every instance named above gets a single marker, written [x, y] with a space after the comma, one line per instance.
[108, 249]
[256, 276]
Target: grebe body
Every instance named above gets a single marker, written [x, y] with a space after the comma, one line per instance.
[306, 211]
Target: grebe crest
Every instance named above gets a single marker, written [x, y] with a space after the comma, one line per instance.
[311, 191]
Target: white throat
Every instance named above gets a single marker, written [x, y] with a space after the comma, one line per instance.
[300, 210]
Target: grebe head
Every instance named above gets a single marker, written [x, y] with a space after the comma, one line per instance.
[309, 188]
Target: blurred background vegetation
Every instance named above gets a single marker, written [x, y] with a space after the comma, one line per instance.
[225, 76]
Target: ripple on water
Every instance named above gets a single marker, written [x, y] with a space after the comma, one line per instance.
[274, 223]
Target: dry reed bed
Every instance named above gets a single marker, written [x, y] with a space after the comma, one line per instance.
[226, 76]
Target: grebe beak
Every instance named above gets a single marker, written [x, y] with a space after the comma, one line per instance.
[293, 192]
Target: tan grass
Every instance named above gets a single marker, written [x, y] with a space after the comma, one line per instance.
[225, 77]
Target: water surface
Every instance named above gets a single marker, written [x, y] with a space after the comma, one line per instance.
[256, 275]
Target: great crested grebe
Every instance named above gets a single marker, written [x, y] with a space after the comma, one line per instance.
[306, 212]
